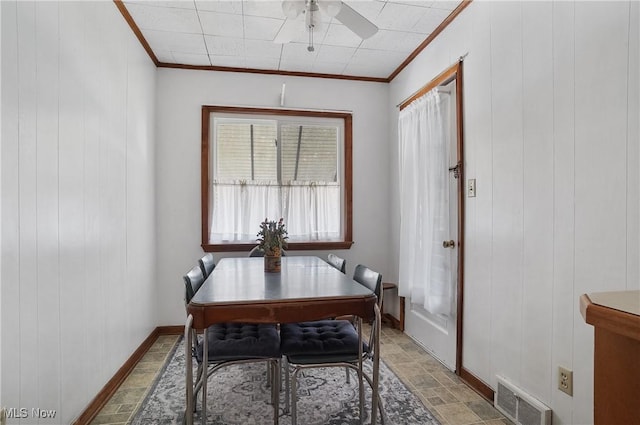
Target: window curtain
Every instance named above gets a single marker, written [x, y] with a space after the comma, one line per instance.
[311, 210]
[424, 264]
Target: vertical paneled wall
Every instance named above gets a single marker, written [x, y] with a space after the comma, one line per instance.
[551, 136]
[0, 207]
[78, 244]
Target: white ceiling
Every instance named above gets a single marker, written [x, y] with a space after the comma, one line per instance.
[240, 34]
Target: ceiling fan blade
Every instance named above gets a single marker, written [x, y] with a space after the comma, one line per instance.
[357, 23]
[330, 7]
[293, 8]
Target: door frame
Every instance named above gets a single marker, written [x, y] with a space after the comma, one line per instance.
[454, 72]
[448, 75]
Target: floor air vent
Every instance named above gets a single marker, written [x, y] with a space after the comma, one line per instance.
[519, 406]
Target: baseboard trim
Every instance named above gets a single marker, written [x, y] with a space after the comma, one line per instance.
[170, 330]
[98, 402]
[395, 323]
[402, 302]
[477, 385]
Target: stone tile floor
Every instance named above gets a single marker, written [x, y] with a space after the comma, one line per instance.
[125, 402]
[450, 400]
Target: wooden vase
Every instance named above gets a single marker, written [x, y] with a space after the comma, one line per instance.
[272, 263]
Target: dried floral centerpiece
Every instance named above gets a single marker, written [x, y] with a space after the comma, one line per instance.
[272, 239]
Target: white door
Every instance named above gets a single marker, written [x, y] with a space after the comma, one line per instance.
[437, 332]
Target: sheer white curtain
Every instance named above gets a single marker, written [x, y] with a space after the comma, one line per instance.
[424, 274]
[311, 211]
[239, 208]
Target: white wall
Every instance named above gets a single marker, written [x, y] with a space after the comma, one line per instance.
[0, 215]
[180, 96]
[551, 136]
[78, 244]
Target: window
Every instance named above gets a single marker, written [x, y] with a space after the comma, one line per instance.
[274, 163]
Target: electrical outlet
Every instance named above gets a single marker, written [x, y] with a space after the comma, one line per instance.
[565, 380]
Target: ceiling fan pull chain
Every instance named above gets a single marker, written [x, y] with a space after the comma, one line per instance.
[310, 48]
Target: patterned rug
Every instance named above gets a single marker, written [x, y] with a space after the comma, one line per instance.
[238, 395]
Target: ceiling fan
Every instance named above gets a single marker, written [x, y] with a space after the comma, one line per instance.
[339, 10]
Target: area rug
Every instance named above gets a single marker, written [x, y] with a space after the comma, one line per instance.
[238, 395]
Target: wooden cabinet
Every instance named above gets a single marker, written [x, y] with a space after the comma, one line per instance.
[615, 317]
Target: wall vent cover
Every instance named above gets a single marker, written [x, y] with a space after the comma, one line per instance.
[521, 408]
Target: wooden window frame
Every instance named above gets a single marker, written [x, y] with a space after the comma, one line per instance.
[347, 201]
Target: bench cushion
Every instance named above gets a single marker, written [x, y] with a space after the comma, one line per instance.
[333, 339]
[238, 341]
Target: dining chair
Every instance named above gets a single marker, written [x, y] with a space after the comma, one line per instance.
[257, 252]
[340, 264]
[207, 264]
[337, 262]
[331, 343]
[234, 343]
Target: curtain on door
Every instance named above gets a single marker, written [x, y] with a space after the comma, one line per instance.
[424, 273]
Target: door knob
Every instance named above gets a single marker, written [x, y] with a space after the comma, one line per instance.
[449, 244]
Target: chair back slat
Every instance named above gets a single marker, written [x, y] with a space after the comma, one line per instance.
[207, 264]
[372, 280]
[193, 281]
[337, 262]
[256, 252]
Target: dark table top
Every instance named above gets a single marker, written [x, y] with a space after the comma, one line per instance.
[307, 288]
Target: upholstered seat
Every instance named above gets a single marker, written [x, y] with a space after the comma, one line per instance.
[323, 341]
[240, 341]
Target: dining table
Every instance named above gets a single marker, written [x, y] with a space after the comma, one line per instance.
[307, 288]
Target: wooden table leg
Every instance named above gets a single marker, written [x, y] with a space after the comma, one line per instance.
[388, 318]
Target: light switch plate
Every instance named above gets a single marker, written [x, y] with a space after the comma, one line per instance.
[471, 188]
